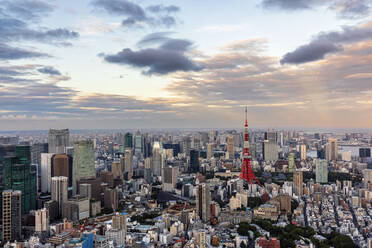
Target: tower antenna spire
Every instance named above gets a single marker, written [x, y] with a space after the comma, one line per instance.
[246, 172]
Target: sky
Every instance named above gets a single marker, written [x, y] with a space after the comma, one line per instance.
[108, 64]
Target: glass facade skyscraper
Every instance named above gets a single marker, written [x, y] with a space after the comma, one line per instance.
[17, 175]
[128, 140]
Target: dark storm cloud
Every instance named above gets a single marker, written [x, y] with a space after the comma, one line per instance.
[343, 8]
[168, 57]
[161, 8]
[11, 53]
[326, 43]
[136, 15]
[50, 71]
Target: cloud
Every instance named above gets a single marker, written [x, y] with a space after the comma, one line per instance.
[326, 43]
[15, 30]
[137, 16]
[50, 71]
[11, 53]
[311, 52]
[349, 9]
[290, 4]
[168, 57]
[162, 8]
[352, 9]
[26, 9]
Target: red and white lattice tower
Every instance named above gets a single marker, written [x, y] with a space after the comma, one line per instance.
[247, 173]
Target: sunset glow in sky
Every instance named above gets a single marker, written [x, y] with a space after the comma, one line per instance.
[185, 63]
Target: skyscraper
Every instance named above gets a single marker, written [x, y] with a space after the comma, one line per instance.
[156, 160]
[270, 136]
[17, 175]
[169, 177]
[128, 163]
[194, 161]
[291, 162]
[117, 168]
[321, 171]
[332, 150]
[42, 220]
[203, 199]
[58, 140]
[59, 191]
[297, 183]
[46, 171]
[62, 166]
[128, 140]
[12, 215]
[303, 151]
[209, 150]
[83, 162]
[231, 146]
[138, 143]
[270, 150]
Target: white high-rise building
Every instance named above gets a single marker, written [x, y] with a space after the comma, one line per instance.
[321, 171]
[59, 191]
[332, 150]
[42, 220]
[46, 171]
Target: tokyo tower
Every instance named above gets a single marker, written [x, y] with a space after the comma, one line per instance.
[247, 173]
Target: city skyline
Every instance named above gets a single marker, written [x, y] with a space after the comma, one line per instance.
[109, 64]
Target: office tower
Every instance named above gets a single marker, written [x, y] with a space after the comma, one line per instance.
[346, 156]
[297, 183]
[85, 190]
[186, 145]
[128, 163]
[12, 215]
[83, 162]
[231, 146]
[303, 152]
[175, 147]
[58, 140]
[36, 151]
[367, 173]
[321, 153]
[270, 136]
[117, 169]
[128, 140]
[17, 175]
[156, 160]
[194, 161]
[321, 171]
[108, 178]
[209, 150]
[111, 200]
[364, 152]
[42, 220]
[291, 162]
[59, 191]
[62, 166]
[269, 151]
[119, 221]
[46, 171]
[203, 199]
[332, 150]
[138, 143]
[169, 178]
